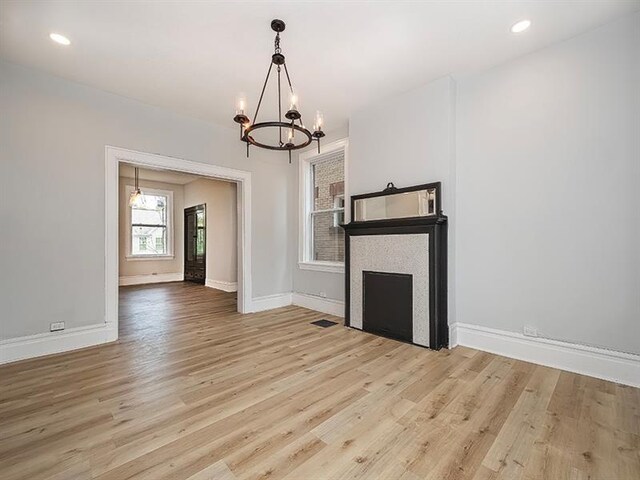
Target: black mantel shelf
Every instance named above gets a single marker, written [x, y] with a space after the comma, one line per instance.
[395, 222]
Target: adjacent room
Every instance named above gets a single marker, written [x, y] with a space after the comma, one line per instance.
[392, 240]
[174, 227]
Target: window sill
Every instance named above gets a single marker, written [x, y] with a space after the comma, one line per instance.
[148, 257]
[332, 267]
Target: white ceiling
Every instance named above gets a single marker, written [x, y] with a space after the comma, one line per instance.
[165, 176]
[195, 57]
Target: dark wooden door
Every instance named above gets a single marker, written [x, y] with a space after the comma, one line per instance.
[195, 244]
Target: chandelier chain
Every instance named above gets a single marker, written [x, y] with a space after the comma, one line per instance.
[277, 43]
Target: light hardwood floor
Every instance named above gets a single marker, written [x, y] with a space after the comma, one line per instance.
[196, 391]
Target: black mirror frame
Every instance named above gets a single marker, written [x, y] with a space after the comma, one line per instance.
[392, 190]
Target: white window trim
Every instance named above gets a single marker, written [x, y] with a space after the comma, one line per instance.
[306, 159]
[127, 234]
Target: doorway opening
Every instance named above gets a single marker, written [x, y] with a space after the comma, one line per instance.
[176, 230]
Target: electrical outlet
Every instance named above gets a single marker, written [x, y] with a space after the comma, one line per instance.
[55, 326]
[530, 331]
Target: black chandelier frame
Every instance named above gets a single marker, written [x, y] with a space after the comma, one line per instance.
[292, 115]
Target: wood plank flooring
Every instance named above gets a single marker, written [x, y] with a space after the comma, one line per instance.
[194, 390]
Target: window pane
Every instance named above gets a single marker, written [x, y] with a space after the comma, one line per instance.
[328, 237]
[149, 240]
[151, 211]
[328, 181]
[200, 242]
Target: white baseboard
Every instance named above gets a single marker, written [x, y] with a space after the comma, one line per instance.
[269, 302]
[143, 279]
[319, 304]
[22, 348]
[453, 336]
[596, 362]
[220, 285]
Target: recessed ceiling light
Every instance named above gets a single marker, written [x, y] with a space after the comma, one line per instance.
[520, 26]
[61, 39]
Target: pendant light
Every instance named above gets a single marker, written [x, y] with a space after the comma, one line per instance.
[136, 198]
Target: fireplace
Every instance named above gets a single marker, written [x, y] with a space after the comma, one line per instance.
[396, 268]
[387, 304]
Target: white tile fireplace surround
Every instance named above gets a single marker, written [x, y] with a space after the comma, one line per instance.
[406, 254]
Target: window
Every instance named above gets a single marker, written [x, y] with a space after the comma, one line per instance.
[150, 225]
[322, 194]
[200, 233]
[338, 205]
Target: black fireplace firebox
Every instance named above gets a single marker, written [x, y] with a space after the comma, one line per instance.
[387, 302]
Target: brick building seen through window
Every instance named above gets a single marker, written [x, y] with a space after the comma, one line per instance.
[327, 211]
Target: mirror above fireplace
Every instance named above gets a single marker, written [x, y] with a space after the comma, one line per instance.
[392, 202]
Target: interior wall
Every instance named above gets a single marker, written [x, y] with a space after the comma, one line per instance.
[135, 266]
[53, 134]
[221, 210]
[548, 204]
[386, 146]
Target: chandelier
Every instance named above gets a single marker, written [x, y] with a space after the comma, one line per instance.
[292, 134]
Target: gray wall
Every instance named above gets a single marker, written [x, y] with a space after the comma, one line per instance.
[52, 138]
[406, 140]
[548, 197]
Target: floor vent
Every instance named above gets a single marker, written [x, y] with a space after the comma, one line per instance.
[324, 323]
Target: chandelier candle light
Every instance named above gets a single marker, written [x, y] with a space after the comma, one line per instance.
[287, 140]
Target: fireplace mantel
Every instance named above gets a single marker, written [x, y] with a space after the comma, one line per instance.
[424, 248]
